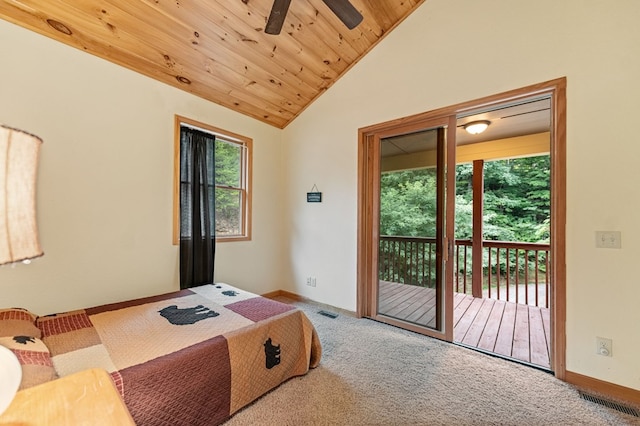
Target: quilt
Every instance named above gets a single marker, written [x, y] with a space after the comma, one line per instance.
[191, 357]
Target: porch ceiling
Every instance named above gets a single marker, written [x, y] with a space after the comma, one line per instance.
[507, 121]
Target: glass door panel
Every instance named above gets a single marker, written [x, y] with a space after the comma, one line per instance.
[411, 239]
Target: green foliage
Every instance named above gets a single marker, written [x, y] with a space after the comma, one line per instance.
[227, 168]
[227, 174]
[516, 201]
[408, 203]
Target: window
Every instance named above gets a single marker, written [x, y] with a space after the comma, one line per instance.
[232, 182]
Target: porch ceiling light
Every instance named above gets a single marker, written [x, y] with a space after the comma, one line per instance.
[477, 127]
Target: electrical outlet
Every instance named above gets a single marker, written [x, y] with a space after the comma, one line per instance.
[604, 346]
[608, 239]
[311, 281]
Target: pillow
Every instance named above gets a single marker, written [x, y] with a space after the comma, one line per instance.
[18, 322]
[34, 358]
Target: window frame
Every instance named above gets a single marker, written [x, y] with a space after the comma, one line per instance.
[246, 167]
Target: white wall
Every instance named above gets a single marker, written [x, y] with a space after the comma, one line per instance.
[106, 177]
[451, 51]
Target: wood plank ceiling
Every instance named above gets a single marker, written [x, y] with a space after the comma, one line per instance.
[217, 49]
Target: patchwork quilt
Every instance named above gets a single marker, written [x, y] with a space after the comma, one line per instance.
[191, 357]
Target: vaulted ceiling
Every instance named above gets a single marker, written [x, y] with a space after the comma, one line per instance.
[217, 49]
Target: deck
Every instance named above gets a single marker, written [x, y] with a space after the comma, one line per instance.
[508, 329]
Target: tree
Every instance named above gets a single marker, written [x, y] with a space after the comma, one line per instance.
[227, 174]
[408, 203]
[516, 201]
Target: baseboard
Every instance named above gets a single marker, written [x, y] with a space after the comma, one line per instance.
[298, 298]
[274, 294]
[605, 389]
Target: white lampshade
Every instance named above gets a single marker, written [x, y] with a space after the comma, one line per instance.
[18, 170]
[477, 127]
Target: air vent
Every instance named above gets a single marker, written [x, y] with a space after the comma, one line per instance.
[609, 404]
[328, 314]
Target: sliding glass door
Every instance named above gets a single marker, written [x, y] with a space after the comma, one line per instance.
[410, 262]
[406, 218]
[407, 167]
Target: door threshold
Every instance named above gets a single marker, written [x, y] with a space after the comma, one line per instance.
[507, 358]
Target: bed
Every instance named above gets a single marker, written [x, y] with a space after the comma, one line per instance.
[192, 357]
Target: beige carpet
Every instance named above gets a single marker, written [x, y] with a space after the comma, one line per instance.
[374, 374]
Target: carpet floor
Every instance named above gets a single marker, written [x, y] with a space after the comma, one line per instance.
[375, 374]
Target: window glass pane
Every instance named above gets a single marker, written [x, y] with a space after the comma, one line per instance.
[210, 154]
[185, 210]
[228, 157]
[228, 212]
[227, 162]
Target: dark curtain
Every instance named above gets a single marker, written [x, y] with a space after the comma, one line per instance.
[197, 207]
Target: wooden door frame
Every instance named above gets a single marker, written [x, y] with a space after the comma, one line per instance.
[369, 183]
[367, 258]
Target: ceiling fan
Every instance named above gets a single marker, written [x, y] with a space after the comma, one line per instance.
[344, 10]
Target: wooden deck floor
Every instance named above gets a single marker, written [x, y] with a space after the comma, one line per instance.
[513, 330]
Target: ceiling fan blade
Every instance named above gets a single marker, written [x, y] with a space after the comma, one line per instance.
[276, 17]
[344, 10]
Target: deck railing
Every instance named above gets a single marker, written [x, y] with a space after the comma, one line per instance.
[511, 271]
